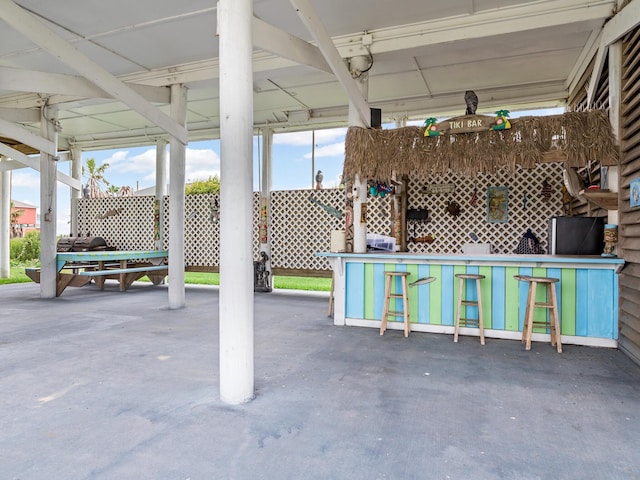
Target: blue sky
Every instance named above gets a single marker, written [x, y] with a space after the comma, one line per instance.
[135, 167]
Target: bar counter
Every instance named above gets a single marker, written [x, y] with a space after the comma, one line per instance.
[587, 293]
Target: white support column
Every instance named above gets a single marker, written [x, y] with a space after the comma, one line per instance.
[265, 196]
[48, 206]
[161, 188]
[176, 201]
[615, 105]
[76, 172]
[236, 201]
[161, 168]
[359, 184]
[5, 221]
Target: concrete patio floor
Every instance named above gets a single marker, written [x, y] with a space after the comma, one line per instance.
[111, 385]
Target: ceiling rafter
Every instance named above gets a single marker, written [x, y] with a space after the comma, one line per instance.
[40, 34]
[310, 19]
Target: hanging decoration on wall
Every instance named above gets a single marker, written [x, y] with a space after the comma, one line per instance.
[431, 127]
[453, 208]
[471, 100]
[327, 208]
[546, 191]
[378, 188]
[436, 188]
[474, 198]
[634, 196]
[214, 210]
[263, 234]
[467, 124]
[501, 122]
[110, 213]
[497, 204]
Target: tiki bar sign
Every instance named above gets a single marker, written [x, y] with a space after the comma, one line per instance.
[467, 124]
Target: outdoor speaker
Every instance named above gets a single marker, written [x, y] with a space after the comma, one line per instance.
[376, 117]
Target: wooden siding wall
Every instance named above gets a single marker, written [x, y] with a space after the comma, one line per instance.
[578, 103]
[629, 229]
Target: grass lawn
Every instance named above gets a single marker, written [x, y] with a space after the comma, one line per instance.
[289, 283]
[17, 275]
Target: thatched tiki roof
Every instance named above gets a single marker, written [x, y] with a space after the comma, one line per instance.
[574, 137]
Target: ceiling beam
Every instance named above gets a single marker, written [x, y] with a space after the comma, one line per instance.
[20, 158]
[310, 19]
[20, 115]
[624, 21]
[19, 80]
[477, 25]
[16, 132]
[281, 43]
[489, 23]
[47, 39]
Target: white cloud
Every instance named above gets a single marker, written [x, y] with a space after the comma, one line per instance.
[121, 162]
[295, 139]
[333, 150]
[25, 179]
[201, 164]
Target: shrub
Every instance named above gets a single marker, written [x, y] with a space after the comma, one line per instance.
[212, 185]
[25, 249]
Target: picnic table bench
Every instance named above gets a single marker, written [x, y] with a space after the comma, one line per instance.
[77, 269]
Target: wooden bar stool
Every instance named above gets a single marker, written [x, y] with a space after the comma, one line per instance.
[388, 295]
[466, 322]
[551, 303]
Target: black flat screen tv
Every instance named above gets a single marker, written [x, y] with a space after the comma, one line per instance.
[576, 235]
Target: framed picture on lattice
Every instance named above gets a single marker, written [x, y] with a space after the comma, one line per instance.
[497, 204]
[634, 193]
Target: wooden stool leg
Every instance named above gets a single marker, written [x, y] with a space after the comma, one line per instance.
[385, 310]
[405, 306]
[480, 319]
[530, 311]
[526, 315]
[555, 322]
[456, 328]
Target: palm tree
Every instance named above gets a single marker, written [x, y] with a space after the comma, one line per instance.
[95, 178]
[112, 191]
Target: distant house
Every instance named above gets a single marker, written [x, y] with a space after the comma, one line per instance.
[25, 219]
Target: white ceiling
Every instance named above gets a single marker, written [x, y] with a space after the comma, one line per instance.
[514, 54]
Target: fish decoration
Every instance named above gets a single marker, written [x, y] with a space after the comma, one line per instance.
[327, 208]
[474, 198]
[546, 191]
[110, 213]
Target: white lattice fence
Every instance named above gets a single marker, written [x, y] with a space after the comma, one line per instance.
[125, 223]
[451, 233]
[302, 220]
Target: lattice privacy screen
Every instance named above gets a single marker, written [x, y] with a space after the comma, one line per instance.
[451, 233]
[301, 220]
[124, 222]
